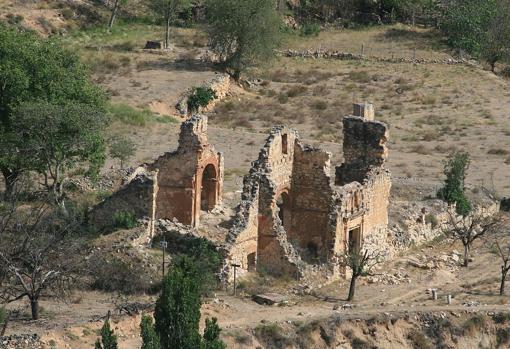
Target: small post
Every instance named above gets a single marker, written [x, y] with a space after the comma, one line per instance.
[434, 294]
[414, 54]
[164, 245]
[235, 266]
[362, 48]
[449, 299]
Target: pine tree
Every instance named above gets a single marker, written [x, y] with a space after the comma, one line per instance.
[150, 339]
[108, 339]
[212, 335]
[177, 312]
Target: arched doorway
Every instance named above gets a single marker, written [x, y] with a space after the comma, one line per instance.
[284, 211]
[208, 195]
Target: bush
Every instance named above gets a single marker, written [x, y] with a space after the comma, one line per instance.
[455, 168]
[113, 274]
[124, 220]
[200, 97]
[310, 29]
[432, 220]
[502, 336]
[419, 340]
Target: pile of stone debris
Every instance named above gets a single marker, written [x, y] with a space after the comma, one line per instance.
[450, 262]
[20, 341]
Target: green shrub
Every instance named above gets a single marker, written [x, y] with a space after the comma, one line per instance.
[455, 169]
[501, 318]
[200, 97]
[310, 29]
[124, 220]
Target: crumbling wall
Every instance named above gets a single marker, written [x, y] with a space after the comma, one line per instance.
[220, 84]
[178, 185]
[311, 196]
[135, 197]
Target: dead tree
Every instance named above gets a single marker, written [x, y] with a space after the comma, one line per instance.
[469, 229]
[38, 254]
[361, 264]
[501, 247]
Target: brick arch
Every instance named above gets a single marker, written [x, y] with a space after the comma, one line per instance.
[209, 188]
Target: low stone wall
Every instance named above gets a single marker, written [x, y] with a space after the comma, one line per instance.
[220, 84]
[339, 55]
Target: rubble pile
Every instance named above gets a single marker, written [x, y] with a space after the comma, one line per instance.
[20, 341]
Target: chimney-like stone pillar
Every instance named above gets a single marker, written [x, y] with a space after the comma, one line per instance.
[364, 110]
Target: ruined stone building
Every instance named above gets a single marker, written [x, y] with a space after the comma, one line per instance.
[296, 216]
[178, 185]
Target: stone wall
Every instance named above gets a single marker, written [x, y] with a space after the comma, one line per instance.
[220, 84]
[296, 217]
[136, 197]
[178, 185]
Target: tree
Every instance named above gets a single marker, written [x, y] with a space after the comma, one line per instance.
[108, 338]
[115, 9]
[33, 69]
[468, 229]
[57, 138]
[150, 339]
[361, 264]
[122, 149]
[168, 11]
[38, 254]
[455, 169]
[481, 28]
[212, 335]
[177, 312]
[501, 248]
[243, 32]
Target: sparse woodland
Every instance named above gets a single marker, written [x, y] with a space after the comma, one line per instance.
[83, 104]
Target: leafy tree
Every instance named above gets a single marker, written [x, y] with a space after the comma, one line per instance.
[168, 10]
[57, 138]
[108, 338]
[33, 69]
[122, 149]
[177, 312]
[115, 9]
[212, 335]
[482, 28]
[243, 32]
[455, 169]
[150, 339]
[361, 263]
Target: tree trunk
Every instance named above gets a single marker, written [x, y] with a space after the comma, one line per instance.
[504, 271]
[352, 288]
[466, 256]
[34, 306]
[114, 15]
[10, 178]
[167, 32]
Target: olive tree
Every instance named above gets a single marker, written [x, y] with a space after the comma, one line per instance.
[481, 28]
[361, 263]
[242, 32]
[34, 69]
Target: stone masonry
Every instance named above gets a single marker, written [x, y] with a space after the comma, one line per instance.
[178, 185]
[295, 217]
